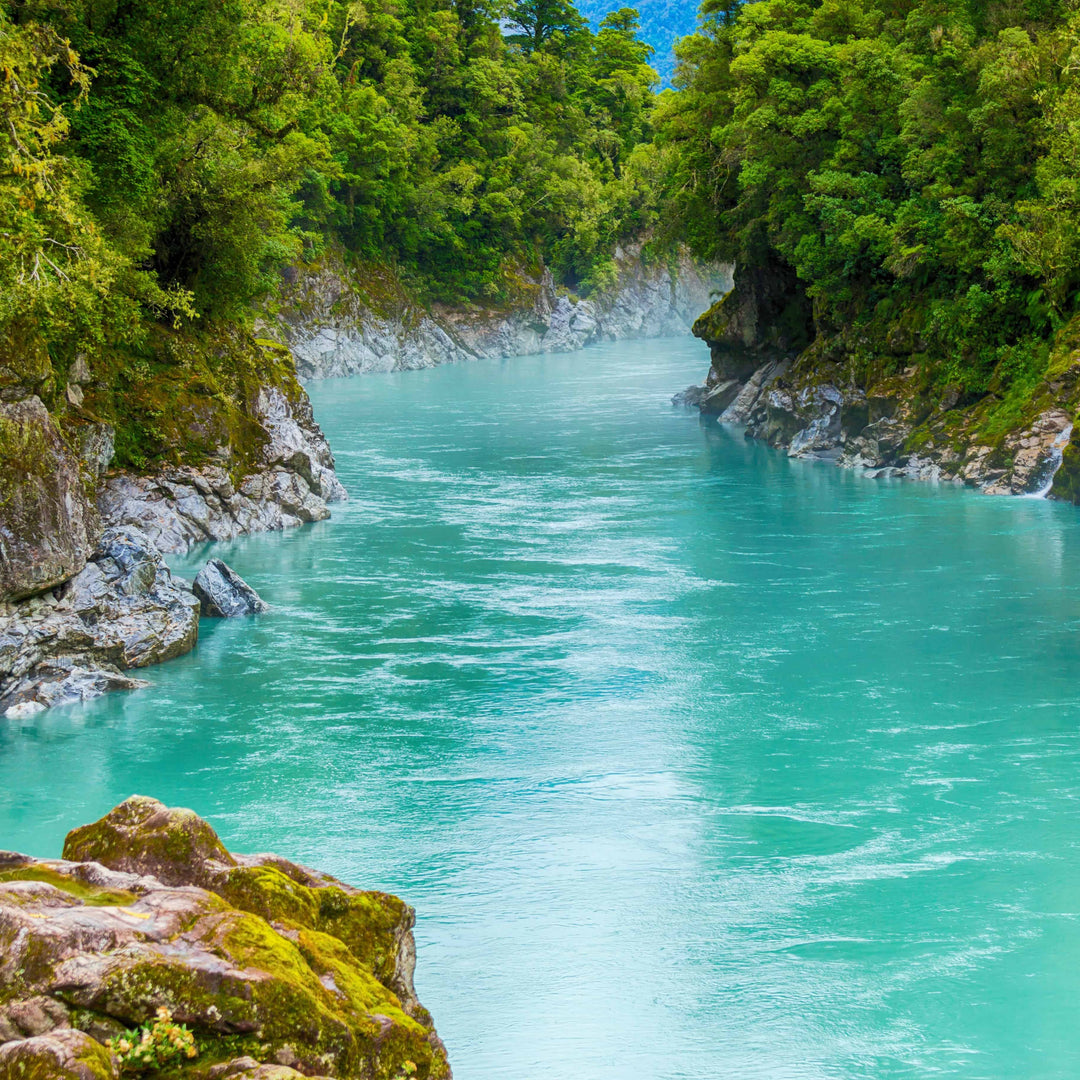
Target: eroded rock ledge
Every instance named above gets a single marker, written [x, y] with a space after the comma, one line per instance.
[279, 971]
[183, 506]
[815, 403]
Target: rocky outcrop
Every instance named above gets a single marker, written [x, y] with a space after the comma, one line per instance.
[275, 969]
[184, 505]
[65, 1054]
[340, 321]
[123, 610]
[223, 593]
[815, 404]
[77, 614]
[47, 519]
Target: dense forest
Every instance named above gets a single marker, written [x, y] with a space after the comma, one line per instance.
[910, 166]
[166, 160]
[906, 168]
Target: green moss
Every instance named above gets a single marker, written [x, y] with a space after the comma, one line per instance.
[134, 993]
[266, 891]
[369, 923]
[325, 954]
[38, 1062]
[142, 836]
[97, 1059]
[187, 396]
[918, 440]
[28, 449]
[1067, 479]
[87, 894]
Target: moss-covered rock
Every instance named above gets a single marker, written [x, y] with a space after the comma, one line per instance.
[268, 963]
[48, 524]
[61, 1055]
[142, 836]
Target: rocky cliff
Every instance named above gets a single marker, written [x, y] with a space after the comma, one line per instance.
[234, 966]
[340, 320]
[109, 464]
[820, 397]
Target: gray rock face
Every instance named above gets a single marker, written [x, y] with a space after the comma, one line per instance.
[334, 332]
[690, 398]
[123, 610]
[72, 618]
[819, 420]
[47, 520]
[812, 404]
[184, 506]
[764, 318]
[223, 593]
[96, 448]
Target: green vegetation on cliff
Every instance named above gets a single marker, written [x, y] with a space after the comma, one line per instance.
[166, 162]
[910, 165]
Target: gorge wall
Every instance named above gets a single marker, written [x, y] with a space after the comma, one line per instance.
[817, 397]
[340, 320]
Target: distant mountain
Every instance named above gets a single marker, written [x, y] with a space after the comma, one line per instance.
[663, 22]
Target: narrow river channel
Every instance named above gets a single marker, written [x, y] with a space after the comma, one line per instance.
[696, 762]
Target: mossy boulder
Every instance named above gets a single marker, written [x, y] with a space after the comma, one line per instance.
[273, 966]
[62, 1055]
[142, 836]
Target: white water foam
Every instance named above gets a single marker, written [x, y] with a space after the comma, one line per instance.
[1057, 450]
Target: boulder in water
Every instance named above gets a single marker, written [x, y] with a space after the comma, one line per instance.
[690, 398]
[222, 592]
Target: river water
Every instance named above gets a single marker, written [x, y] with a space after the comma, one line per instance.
[695, 761]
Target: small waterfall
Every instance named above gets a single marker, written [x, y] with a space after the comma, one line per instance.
[1057, 450]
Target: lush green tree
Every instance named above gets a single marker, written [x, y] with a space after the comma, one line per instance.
[908, 161]
[536, 22]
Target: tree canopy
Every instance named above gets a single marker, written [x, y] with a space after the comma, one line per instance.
[913, 162]
[165, 159]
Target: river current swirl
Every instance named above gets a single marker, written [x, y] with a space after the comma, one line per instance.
[696, 761]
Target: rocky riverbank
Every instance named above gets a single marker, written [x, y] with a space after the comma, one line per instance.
[349, 321]
[817, 401]
[221, 441]
[85, 595]
[239, 966]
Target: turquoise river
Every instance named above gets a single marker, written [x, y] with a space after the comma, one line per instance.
[696, 762]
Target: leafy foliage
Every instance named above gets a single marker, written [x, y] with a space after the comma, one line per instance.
[164, 160]
[155, 1046]
[914, 161]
